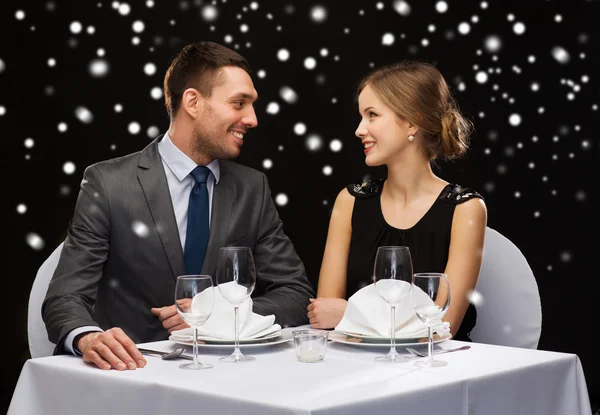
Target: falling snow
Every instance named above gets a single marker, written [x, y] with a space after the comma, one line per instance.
[140, 229]
[531, 106]
[98, 68]
[335, 145]
[288, 95]
[35, 241]
[134, 128]
[441, 7]
[402, 7]
[560, 54]
[299, 128]
[387, 39]
[314, 142]
[283, 55]
[152, 132]
[281, 199]
[149, 69]
[156, 93]
[209, 13]
[69, 167]
[272, 108]
[492, 43]
[84, 115]
[318, 14]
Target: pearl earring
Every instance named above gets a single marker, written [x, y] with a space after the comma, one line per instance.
[411, 138]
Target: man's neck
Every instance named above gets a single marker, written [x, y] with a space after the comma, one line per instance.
[182, 137]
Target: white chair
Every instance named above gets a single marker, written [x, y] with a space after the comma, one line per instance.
[510, 313]
[39, 345]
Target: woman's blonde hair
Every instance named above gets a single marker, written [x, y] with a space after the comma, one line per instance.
[417, 92]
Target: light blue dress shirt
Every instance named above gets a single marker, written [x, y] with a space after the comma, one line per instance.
[178, 167]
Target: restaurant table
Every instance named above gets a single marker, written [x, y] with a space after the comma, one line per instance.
[485, 379]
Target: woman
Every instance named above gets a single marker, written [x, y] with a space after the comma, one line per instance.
[408, 119]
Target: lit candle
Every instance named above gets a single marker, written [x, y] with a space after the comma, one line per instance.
[310, 345]
[311, 353]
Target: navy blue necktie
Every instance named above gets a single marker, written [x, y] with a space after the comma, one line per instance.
[196, 239]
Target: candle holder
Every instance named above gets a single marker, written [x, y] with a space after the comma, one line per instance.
[310, 345]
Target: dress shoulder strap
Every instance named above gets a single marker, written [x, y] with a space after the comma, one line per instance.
[366, 189]
[457, 194]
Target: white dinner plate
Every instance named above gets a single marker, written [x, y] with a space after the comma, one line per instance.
[369, 338]
[282, 337]
[381, 342]
[213, 340]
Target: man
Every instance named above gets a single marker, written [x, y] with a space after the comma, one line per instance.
[143, 219]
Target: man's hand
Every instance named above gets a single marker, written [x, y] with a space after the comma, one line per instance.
[111, 349]
[170, 318]
[326, 313]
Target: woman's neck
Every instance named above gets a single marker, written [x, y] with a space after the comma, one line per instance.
[411, 180]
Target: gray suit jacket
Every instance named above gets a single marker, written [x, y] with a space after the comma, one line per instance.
[122, 254]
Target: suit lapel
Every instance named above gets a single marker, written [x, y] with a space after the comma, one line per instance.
[154, 184]
[219, 222]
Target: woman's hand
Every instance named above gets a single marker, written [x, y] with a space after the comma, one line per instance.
[326, 313]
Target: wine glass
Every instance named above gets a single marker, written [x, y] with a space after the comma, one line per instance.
[437, 288]
[236, 278]
[393, 273]
[194, 300]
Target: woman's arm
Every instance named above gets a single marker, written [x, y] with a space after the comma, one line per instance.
[464, 258]
[328, 309]
[332, 278]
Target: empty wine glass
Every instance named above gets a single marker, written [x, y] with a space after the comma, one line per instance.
[236, 278]
[392, 275]
[194, 300]
[437, 288]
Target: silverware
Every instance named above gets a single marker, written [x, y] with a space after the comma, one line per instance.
[174, 354]
[419, 354]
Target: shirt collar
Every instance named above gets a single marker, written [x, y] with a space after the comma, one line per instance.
[179, 163]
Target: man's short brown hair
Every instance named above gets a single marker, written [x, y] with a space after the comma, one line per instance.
[198, 66]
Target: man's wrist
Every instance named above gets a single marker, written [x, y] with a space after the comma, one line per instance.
[70, 345]
[76, 342]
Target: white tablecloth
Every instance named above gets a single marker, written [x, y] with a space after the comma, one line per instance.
[483, 380]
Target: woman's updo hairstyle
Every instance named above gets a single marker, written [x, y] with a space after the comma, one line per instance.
[417, 92]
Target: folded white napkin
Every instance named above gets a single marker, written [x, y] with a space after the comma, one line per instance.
[221, 323]
[368, 314]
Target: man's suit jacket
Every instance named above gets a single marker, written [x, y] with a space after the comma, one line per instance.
[122, 254]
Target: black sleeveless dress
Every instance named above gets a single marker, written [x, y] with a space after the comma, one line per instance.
[428, 239]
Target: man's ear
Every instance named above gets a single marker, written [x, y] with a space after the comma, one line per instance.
[191, 102]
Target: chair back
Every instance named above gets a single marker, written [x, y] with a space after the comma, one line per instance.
[39, 345]
[510, 313]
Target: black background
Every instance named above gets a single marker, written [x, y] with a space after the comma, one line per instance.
[539, 178]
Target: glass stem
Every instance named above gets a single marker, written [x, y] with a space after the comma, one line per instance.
[430, 344]
[393, 331]
[237, 332]
[195, 348]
